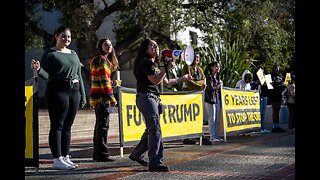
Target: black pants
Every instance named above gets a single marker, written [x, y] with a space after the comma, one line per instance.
[276, 106]
[100, 136]
[63, 101]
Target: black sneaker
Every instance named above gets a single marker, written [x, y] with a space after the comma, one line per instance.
[205, 141]
[188, 141]
[107, 159]
[160, 168]
[140, 161]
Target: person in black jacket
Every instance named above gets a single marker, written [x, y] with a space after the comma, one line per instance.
[212, 100]
[263, 91]
[275, 97]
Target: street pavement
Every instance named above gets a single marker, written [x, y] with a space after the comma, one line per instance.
[244, 156]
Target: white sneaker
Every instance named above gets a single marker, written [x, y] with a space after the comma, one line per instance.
[59, 163]
[214, 140]
[265, 131]
[67, 160]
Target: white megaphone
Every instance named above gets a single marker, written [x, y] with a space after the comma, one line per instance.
[186, 55]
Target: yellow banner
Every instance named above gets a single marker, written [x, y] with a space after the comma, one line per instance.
[240, 109]
[29, 122]
[182, 115]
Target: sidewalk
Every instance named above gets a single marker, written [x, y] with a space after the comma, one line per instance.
[251, 156]
[268, 156]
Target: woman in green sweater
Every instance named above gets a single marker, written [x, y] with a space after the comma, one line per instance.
[61, 68]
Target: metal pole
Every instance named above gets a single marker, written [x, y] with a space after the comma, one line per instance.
[119, 116]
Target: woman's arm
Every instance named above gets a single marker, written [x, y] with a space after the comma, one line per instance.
[173, 81]
[158, 78]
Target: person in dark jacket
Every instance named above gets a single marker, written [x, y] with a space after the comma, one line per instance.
[275, 97]
[263, 91]
[212, 100]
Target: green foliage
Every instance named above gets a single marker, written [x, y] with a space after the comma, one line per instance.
[162, 16]
[76, 14]
[233, 58]
[32, 41]
[267, 26]
[125, 24]
[32, 20]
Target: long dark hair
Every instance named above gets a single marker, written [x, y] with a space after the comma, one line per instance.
[194, 58]
[58, 31]
[213, 64]
[112, 57]
[142, 54]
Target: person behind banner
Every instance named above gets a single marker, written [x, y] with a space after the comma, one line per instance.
[291, 90]
[275, 97]
[102, 97]
[245, 82]
[150, 73]
[212, 100]
[61, 68]
[263, 91]
[197, 83]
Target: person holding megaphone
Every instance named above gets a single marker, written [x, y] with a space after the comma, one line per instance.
[150, 73]
[197, 83]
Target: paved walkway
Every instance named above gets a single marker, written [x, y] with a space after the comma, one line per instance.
[250, 156]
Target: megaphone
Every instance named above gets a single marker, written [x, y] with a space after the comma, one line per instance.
[186, 55]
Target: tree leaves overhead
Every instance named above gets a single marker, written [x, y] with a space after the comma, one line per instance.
[267, 26]
[160, 16]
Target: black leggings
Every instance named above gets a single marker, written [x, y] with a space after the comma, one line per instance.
[63, 102]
